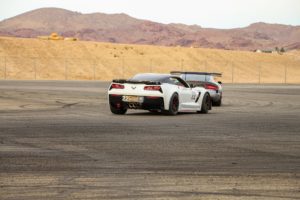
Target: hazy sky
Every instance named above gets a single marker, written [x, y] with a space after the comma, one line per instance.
[207, 13]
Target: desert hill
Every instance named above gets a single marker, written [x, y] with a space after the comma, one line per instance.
[76, 60]
[121, 28]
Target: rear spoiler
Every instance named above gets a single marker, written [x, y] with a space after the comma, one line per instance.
[198, 73]
[122, 81]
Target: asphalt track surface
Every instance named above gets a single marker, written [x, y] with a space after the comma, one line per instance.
[58, 140]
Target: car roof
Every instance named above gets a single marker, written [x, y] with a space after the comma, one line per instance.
[155, 75]
[197, 73]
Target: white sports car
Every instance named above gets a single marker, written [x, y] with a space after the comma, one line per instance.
[157, 92]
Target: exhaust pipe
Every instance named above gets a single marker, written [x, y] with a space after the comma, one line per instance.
[133, 105]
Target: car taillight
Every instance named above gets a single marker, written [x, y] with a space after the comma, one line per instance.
[153, 88]
[117, 86]
[211, 87]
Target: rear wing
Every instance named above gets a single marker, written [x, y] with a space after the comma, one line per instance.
[196, 73]
[122, 81]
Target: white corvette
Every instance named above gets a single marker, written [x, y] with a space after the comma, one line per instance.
[157, 92]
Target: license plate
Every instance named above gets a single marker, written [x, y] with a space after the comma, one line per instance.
[133, 99]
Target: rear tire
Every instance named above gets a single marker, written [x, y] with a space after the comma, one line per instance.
[173, 106]
[206, 104]
[118, 111]
[218, 103]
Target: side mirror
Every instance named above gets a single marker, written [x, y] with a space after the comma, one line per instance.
[220, 82]
[192, 85]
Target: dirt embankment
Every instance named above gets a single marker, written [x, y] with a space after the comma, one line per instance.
[61, 60]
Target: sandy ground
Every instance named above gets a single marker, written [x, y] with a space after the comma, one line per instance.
[64, 60]
[58, 140]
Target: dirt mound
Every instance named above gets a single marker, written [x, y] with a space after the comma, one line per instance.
[43, 59]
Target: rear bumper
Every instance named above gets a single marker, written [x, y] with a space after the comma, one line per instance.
[215, 96]
[149, 103]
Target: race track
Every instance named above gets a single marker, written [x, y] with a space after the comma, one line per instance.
[58, 140]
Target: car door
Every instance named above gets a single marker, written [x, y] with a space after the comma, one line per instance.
[186, 94]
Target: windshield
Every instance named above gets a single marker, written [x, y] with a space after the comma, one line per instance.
[196, 77]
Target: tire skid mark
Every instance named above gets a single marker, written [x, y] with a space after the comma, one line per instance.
[67, 105]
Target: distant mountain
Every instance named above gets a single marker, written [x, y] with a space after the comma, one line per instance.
[121, 28]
